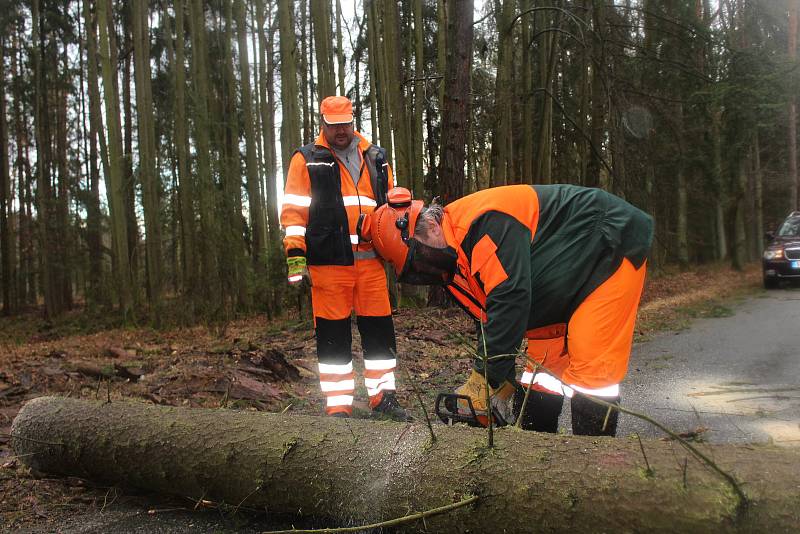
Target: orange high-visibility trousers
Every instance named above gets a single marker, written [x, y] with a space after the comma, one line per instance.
[336, 291]
[590, 353]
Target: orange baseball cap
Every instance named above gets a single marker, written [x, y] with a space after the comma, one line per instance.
[336, 110]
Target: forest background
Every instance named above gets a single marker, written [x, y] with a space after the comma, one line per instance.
[142, 143]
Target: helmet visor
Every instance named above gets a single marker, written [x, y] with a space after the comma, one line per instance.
[428, 266]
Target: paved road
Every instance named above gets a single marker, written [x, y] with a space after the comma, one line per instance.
[738, 376]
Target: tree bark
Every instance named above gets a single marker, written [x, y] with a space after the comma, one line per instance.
[758, 196]
[527, 97]
[593, 171]
[207, 250]
[682, 192]
[129, 179]
[720, 184]
[151, 194]
[502, 153]
[326, 75]
[267, 90]
[5, 190]
[358, 472]
[259, 232]
[549, 52]
[233, 263]
[186, 187]
[306, 76]
[115, 182]
[290, 127]
[400, 127]
[418, 177]
[794, 183]
[94, 235]
[340, 55]
[456, 112]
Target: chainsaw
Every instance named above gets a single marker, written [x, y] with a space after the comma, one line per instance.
[448, 411]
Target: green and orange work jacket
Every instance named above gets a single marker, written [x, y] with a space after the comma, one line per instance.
[529, 255]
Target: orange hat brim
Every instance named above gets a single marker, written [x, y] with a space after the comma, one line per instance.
[332, 118]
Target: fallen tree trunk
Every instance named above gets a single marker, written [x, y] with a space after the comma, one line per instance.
[352, 472]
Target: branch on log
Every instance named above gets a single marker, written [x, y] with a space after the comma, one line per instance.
[353, 471]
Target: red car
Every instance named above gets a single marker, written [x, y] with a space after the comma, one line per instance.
[781, 258]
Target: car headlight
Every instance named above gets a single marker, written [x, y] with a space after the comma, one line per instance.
[773, 254]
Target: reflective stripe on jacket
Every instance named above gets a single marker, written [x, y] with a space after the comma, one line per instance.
[322, 202]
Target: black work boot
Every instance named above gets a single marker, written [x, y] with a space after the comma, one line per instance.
[588, 417]
[389, 408]
[541, 411]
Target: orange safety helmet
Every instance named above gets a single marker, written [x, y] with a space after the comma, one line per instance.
[391, 227]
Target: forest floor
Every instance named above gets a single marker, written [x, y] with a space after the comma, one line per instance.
[252, 364]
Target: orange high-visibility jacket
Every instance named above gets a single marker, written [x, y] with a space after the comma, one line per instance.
[322, 202]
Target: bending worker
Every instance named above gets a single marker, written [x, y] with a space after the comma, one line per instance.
[560, 265]
[329, 184]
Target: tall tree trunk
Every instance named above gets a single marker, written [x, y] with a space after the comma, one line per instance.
[758, 196]
[209, 229]
[441, 45]
[721, 196]
[254, 457]
[25, 282]
[418, 156]
[682, 193]
[739, 230]
[61, 235]
[45, 68]
[326, 79]
[6, 276]
[548, 60]
[233, 261]
[306, 76]
[794, 179]
[151, 194]
[528, 118]
[127, 106]
[593, 170]
[115, 179]
[377, 55]
[340, 55]
[259, 232]
[457, 110]
[267, 89]
[290, 125]
[186, 185]
[372, 72]
[502, 157]
[584, 150]
[93, 212]
[393, 53]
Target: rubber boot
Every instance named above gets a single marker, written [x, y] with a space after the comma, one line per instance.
[541, 411]
[588, 417]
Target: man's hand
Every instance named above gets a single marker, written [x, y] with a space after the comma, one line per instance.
[297, 269]
[500, 398]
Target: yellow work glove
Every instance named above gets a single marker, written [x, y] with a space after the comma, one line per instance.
[475, 388]
[297, 269]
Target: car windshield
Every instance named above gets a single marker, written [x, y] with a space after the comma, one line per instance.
[790, 228]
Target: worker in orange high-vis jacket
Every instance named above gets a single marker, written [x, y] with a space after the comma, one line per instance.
[330, 183]
[560, 265]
